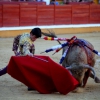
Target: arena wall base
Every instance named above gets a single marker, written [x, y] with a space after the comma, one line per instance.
[58, 29]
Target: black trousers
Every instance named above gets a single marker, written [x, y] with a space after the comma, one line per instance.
[3, 71]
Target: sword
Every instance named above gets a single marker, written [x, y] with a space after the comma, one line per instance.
[40, 59]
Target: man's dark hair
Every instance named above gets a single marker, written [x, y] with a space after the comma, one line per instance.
[36, 32]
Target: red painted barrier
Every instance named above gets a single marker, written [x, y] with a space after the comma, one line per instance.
[1, 21]
[63, 14]
[94, 13]
[80, 14]
[28, 14]
[10, 15]
[45, 15]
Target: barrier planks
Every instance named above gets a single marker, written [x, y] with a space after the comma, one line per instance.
[80, 14]
[94, 13]
[28, 15]
[1, 15]
[45, 15]
[63, 14]
[10, 15]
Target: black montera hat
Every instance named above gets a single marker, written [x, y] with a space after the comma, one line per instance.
[36, 32]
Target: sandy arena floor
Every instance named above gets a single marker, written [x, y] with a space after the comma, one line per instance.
[11, 89]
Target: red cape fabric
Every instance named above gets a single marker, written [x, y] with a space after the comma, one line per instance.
[41, 73]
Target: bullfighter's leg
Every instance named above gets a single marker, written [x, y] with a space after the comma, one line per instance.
[30, 89]
[3, 71]
[97, 80]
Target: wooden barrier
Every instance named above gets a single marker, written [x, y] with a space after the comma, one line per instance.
[63, 14]
[45, 15]
[80, 14]
[10, 15]
[94, 13]
[29, 14]
[1, 16]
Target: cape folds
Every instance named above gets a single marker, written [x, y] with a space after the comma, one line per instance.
[42, 74]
